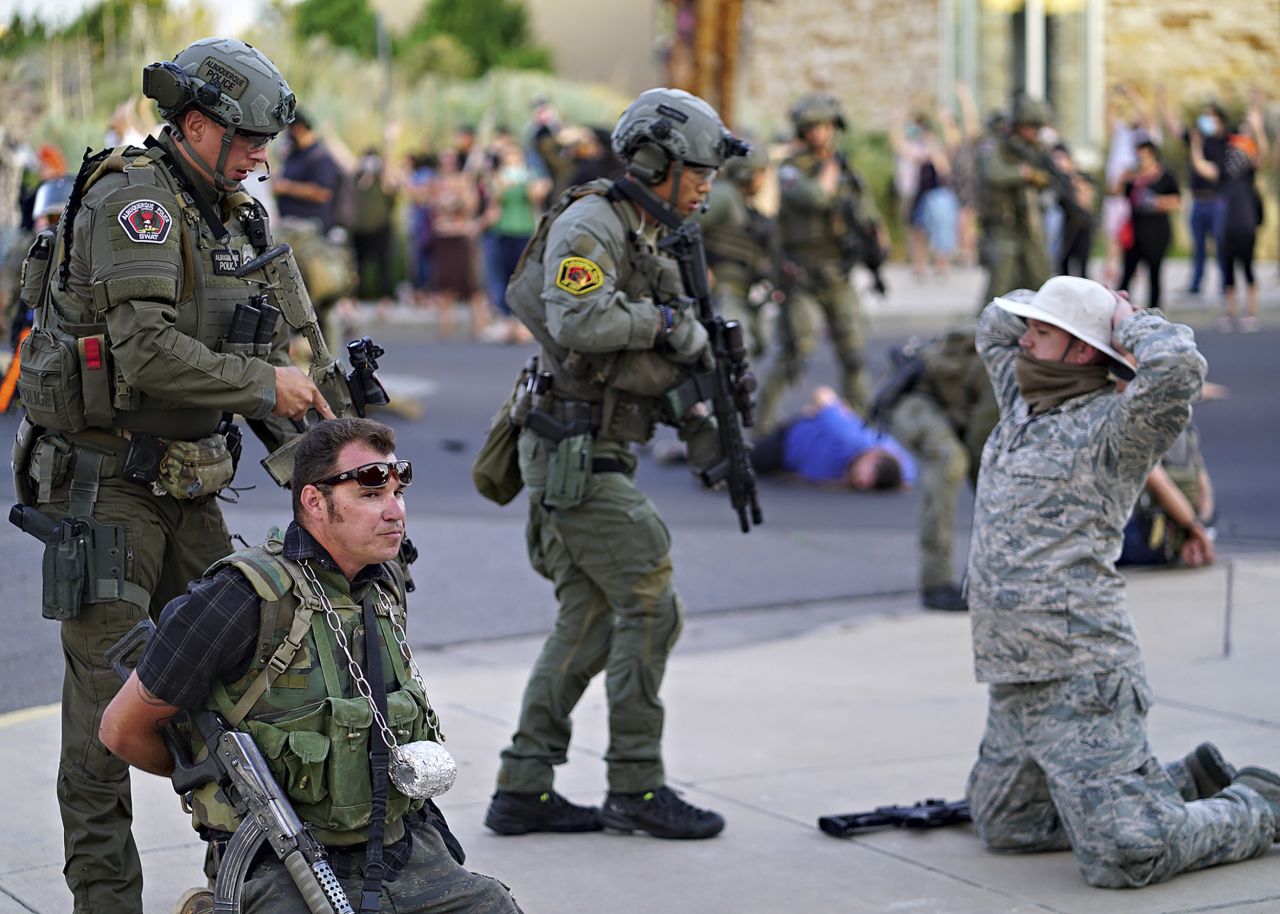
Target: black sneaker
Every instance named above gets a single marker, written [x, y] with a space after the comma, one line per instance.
[946, 597]
[512, 813]
[661, 813]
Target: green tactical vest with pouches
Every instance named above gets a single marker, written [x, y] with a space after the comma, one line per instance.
[68, 381]
[299, 704]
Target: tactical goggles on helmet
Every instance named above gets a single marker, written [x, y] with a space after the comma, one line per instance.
[703, 173]
[374, 475]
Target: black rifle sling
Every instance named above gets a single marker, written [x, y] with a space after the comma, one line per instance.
[379, 757]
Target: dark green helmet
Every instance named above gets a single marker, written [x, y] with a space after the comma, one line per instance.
[816, 108]
[670, 125]
[1030, 112]
[226, 79]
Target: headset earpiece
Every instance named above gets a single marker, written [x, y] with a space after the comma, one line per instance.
[649, 163]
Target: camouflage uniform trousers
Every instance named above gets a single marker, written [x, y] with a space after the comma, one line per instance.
[1065, 763]
[921, 425]
[824, 294]
[609, 558]
[429, 882]
[1014, 261]
[168, 544]
[734, 304]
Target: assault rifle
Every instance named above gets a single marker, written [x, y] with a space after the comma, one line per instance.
[729, 384]
[348, 394]
[860, 242]
[932, 813]
[1057, 180]
[234, 762]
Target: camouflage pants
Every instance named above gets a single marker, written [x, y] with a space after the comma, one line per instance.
[825, 295]
[733, 303]
[1066, 764]
[1013, 261]
[609, 558]
[169, 544]
[429, 882]
[920, 425]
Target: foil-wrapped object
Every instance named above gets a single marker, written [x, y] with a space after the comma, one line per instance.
[422, 769]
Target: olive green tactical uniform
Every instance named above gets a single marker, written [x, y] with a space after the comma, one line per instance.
[606, 550]
[933, 420]
[739, 254]
[809, 225]
[1013, 243]
[301, 707]
[160, 311]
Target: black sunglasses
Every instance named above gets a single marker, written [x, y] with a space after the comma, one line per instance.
[374, 475]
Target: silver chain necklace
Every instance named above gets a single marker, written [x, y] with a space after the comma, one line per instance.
[420, 769]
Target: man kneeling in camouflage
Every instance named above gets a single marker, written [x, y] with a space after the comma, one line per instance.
[1064, 760]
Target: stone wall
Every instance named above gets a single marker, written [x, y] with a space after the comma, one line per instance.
[872, 54]
[1193, 48]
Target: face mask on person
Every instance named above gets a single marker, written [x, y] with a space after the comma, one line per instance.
[1207, 125]
[1045, 385]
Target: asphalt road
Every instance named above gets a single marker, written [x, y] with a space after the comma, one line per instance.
[819, 553]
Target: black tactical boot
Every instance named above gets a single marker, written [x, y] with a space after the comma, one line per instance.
[946, 597]
[1267, 784]
[512, 813]
[661, 813]
[1201, 773]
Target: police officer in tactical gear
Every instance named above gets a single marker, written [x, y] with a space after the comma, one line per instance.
[616, 334]
[327, 588]
[824, 207]
[742, 245]
[1013, 169]
[140, 358]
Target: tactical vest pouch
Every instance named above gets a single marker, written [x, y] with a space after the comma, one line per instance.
[628, 417]
[20, 461]
[568, 472]
[35, 269]
[496, 470]
[49, 381]
[195, 469]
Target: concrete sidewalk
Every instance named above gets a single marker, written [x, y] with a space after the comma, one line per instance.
[774, 734]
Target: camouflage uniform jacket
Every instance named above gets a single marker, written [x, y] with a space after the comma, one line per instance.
[1054, 493]
[811, 222]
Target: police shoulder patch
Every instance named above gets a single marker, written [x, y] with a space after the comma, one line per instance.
[579, 275]
[146, 222]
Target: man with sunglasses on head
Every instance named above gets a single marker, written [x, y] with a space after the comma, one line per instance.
[276, 639]
[148, 342]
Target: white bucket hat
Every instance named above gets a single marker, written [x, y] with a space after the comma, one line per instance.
[1079, 306]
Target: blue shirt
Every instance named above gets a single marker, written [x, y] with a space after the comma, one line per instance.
[820, 448]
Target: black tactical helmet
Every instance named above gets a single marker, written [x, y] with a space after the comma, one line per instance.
[663, 126]
[816, 108]
[230, 81]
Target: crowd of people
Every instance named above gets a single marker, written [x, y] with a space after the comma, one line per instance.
[1063, 403]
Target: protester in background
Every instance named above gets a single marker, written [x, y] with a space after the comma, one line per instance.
[309, 179]
[50, 163]
[1152, 192]
[1132, 122]
[961, 141]
[516, 195]
[1208, 210]
[455, 206]
[375, 200]
[592, 157]
[1075, 240]
[420, 170]
[1236, 178]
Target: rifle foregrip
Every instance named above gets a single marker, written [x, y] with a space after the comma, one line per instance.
[317, 885]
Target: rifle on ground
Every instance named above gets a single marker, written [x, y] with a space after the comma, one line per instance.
[348, 393]
[235, 763]
[932, 813]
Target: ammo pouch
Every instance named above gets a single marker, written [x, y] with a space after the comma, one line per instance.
[568, 472]
[195, 469]
[627, 416]
[84, 563]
